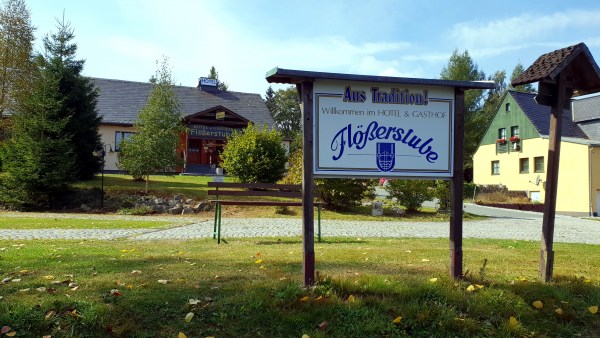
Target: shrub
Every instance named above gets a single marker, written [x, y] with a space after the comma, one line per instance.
[255, 155]
[441, 191]
[410, 193]
[345, 193]
[337, 193]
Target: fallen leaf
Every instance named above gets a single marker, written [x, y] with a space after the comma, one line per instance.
[74, 314]
[115, 292]
[470, 288]
[181, 335]
[262, 267]
[319, 298]
[11, 334]
[351, 298]
[41, 289]
[136, 272]
[408, 251]
[188, 317]
[258, 261]
[425, 260]
[258, 254]
[559, 311]
[193, 301]
[16, 280]
[129, 287]
[163, 281]
[48, 277]
[304, 299]
[72, 285]
[24, 290]
[479, 286]
[397, 320]
[5, 329]
[48, 336]
[433, 280]
[538, 304]
[50, 314]
[283, 278]
[6, 280]
[593, 309]
[513, 322]
[305, 336]
[323, 325]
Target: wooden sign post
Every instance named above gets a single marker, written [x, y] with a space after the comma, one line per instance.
[373, 126]
[561, 74]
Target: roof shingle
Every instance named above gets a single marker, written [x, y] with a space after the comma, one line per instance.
[119, 102]
[539, 115]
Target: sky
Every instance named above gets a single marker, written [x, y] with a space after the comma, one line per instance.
[243, 39]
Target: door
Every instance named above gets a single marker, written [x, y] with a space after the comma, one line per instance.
[597, 202]
[194, 151]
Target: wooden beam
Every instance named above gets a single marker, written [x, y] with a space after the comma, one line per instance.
[456, 186]
[546, 251]
[308, 219]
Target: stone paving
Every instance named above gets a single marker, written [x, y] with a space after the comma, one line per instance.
[567, 229]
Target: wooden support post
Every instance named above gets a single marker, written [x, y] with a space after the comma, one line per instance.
[546, 251]
[456, 186]
[308, 212]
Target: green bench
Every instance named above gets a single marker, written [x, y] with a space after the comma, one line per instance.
[256, 191]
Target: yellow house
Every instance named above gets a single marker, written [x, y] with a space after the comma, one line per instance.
[514, 152]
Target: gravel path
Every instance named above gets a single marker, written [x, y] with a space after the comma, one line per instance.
[567, 230]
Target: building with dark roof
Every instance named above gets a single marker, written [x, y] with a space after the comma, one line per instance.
[514, 152]
[209, 114]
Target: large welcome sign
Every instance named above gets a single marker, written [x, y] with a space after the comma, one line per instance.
[364, 129]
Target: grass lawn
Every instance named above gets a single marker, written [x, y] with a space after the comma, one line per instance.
[191, 186]
[195, 187]
[252, 287]
[22, 223]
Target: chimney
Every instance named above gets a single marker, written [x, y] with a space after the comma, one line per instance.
[207, 85]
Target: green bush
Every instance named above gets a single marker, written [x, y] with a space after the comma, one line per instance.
[410, 193]
[337, 193]
[441, 191]
[344, 193]
[255, 155]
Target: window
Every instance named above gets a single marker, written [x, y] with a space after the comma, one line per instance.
[514, 131]
[495, 167]
[120, 136]
[524, 165]
[502, 133]
[508, 107]
[539, 164]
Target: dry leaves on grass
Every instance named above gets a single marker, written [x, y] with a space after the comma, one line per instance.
[538, 304]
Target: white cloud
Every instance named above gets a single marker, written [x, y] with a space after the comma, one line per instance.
[519, 30]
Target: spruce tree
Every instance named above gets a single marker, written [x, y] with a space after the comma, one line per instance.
[38, 160]
[270, 101]
[213, 74]
[79, 98]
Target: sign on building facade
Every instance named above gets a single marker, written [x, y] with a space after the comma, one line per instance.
[364, 129]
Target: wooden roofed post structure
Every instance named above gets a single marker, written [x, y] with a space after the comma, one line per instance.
[357, 125]
[561, 74]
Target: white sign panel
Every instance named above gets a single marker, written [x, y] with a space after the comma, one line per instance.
[204, 81]
[382, 130]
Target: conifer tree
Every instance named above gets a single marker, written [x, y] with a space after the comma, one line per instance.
[213, 74]
[79, 98]
[38, 160]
